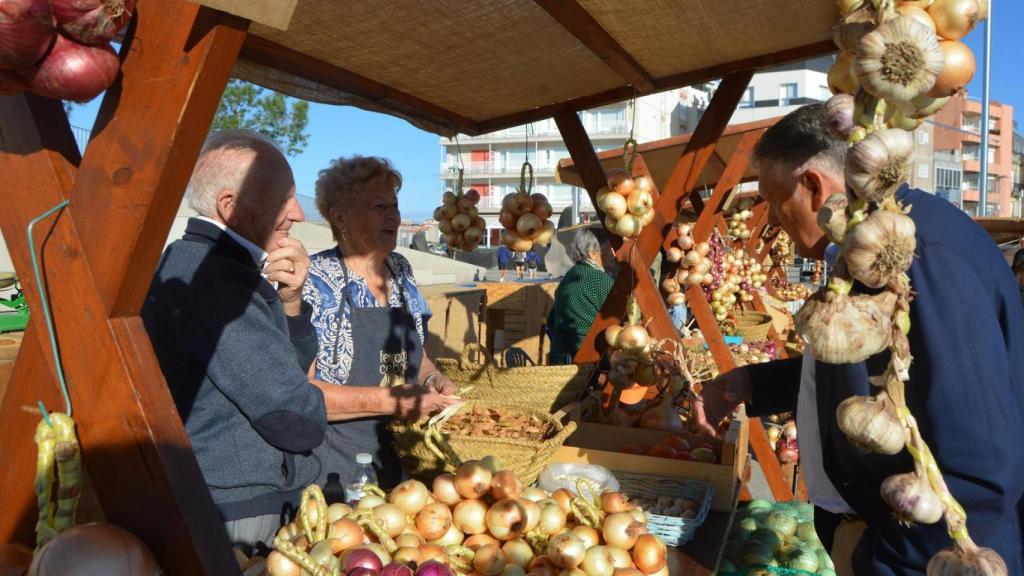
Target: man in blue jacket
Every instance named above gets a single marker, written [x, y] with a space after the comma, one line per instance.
[966, 385]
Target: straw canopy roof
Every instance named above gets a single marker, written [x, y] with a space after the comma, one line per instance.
[474, 67]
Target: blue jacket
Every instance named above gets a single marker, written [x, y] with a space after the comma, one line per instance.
[966, 390]
[504, 255]
[236, 366]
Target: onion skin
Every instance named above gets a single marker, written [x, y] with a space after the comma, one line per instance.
[26, 32]
[954, 19]
[73, 71]
[957, 70]
[649, 554]
[92, 21]
[94, 549]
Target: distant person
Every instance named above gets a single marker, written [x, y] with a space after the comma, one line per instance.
[370, 318]
[520, 259]
[579, 295]
[532, 262]
[504, 258]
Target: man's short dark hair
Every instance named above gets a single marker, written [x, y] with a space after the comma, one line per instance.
[801, 135]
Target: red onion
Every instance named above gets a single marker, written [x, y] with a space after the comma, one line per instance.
[11, 83]
[362, 558]
[73, 71]
[434, 568]
[397, 569]
[26, 32]
[362, 571]
[92, 21]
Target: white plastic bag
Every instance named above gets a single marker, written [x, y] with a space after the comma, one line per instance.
[562, 475]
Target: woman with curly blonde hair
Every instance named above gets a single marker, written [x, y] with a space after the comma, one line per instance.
[369, 317]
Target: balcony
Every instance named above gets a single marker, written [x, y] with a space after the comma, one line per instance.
[492, 170]
[972, 164]
[518, 135]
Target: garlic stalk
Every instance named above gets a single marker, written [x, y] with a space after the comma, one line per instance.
[845, 329]
[832, 217]
[872, 424]
[879, 164]
[880, 248]
[899, 60]
[912, 499]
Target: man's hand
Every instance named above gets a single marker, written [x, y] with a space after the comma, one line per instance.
[288, 265]
[414, 402]
[719, 398]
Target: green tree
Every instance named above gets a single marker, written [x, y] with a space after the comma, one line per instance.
[246, 105]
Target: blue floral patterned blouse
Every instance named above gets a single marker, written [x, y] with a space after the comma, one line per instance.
[324, 292]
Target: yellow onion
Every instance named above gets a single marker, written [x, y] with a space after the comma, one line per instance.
[851, 28]
[628, 226]
[841, 77]
[515, 242]
[918, 14]
[506, 519]
[649, 554]
[611, 335]
[434, 521]
[954, 19]
[410, 496]
[544, 236]
[957, 69]
[528, 225]
[639, 202]
[613, 205]
[633, 338]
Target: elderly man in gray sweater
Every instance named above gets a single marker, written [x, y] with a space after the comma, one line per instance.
[235, 341]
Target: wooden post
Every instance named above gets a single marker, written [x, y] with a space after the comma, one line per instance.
[97, 257]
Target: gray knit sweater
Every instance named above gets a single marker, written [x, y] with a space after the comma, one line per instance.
[236, 366]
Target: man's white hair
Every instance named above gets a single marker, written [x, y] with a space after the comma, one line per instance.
[224, 163]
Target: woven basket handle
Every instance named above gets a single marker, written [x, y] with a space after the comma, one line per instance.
[481, 351]
[563, 434]
[435, 442]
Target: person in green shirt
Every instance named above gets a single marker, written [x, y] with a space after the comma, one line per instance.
[579, 295]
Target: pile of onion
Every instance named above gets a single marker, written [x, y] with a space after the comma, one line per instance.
[628, 203]
[525, 218]
[459, 220]
[478, 520]
[60, 48]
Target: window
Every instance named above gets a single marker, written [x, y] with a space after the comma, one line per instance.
[824, 93]
[748, 98]
[923, 171]
[991, 155]
[787, 93]
[922, 138]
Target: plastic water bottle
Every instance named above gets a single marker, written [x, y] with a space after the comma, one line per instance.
[360, 476]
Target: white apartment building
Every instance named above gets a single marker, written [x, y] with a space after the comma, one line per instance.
[492, 162]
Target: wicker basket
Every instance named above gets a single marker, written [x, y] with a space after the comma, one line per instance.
[753, 325]
[674, 531]
[421, 454]
[544, 388]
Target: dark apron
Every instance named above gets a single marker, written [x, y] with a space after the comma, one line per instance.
[386, 351]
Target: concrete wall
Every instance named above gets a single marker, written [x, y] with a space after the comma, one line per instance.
[428, 268]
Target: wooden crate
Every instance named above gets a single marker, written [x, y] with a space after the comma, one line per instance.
[519, 310]
[600, 444]
[456, 318]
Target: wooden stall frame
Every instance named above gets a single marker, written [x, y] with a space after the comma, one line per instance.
[98, 254]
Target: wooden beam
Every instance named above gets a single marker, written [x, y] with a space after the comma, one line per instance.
[574, 18]
[281, 58]
[577, 142]
[701, 145]
[660, 84]
[134, 445]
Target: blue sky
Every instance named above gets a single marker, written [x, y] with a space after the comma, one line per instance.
[342, 130]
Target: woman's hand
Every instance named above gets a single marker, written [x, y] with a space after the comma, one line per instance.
[719, 399]
[415, 402]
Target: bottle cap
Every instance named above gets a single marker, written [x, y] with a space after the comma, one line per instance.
[364, 458]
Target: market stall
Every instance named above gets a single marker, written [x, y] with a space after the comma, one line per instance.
[527, 61]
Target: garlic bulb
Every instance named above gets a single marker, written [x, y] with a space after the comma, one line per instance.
[832, 217]
[845, 329]
[900, 60]
[880, 249]
[912, 499]
[879, 164]
[847, 34]
[960, 562]
[872, 424]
